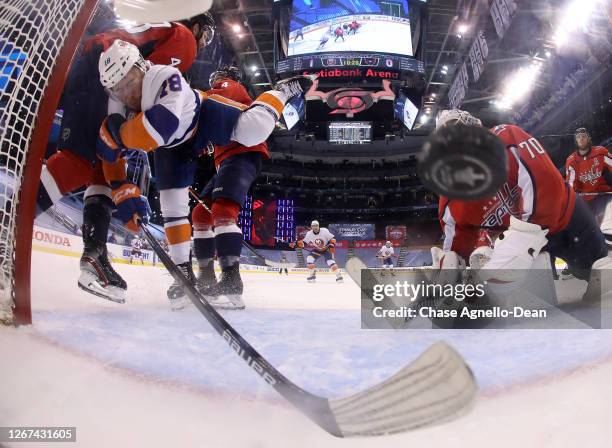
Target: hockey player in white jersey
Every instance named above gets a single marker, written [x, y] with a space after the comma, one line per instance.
[320, 242]
[137, 246]
[386, 253]
[178, 123]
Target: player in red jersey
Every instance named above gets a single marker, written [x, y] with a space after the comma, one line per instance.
[353, 27]
[85, 105]
[589, 172]
[535, 209]
[217, 232]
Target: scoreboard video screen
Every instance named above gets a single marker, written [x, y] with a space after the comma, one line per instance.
[349, 132]
[347, 25]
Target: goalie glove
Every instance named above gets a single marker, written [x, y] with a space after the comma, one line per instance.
[109, 143]
[131, 206]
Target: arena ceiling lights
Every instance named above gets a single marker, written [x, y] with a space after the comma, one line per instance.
[518, 85]
[574, 17]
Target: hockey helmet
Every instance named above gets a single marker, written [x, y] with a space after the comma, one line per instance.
[117, 60]
[582, 131]
[225, 72]
[451, 117]
[388, 243]
[205, 32]
[314, 223]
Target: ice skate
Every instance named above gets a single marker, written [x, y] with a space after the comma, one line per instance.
[312, 278]
[566, 274]
[206, 276]
[339, 279]
[98, 276]
[227, 293]
[176, 293]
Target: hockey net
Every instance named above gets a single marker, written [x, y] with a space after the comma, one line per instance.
[38, 39]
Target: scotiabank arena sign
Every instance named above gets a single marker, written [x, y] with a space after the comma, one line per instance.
[354, 73]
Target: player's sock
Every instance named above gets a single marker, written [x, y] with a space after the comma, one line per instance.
[312, 272]
[204, 249]
[227, 293]
[63, 172]
[48, 192]
[174, 204]
[228, 242]
[204, 246]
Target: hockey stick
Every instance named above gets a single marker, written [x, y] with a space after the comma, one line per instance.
[599, 193]
[268, 262]
[437, 387]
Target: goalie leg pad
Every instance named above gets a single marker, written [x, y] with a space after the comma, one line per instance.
[606, 224]
[581, 243]
[518, 246]
[480, 257]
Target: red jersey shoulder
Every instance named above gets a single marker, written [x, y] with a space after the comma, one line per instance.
[510, 134]
[600, 151]
[572, 158]
[233, 90]
[165, 43]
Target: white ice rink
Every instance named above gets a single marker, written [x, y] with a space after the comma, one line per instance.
[139, 375]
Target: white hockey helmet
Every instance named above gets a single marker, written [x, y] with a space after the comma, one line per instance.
[117, 60]
[388, 243]
[314, 223]
[450, 117]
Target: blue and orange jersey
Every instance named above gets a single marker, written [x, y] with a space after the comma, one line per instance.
[235, 91]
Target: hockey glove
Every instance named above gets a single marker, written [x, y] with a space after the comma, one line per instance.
[131, 206]
[109, 143]
[300, 243]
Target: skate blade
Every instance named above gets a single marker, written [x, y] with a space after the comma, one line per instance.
[111, 293]
[339, 280]
[179, 303]
[88, 282]
[229, 302]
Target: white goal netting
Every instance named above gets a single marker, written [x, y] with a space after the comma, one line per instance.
[32, 34]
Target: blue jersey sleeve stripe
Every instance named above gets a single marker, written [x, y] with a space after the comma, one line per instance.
[163, 121]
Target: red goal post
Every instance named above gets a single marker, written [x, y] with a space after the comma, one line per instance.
[38, 39]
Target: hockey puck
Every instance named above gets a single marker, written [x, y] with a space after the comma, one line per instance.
[463, 162]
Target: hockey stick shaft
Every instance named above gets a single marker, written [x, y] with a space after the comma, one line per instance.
[599, 193]
[316, 408]
[438, 386]
[244, 243]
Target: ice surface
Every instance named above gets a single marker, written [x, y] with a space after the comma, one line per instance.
[140, 375]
